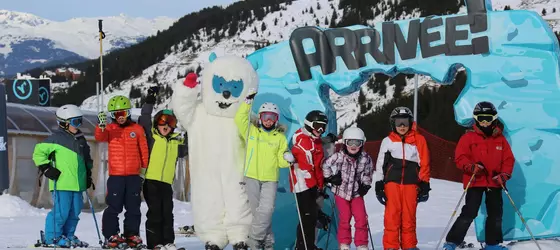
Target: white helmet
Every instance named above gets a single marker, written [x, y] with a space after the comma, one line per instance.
[68, 111]
[353, 133]
[269, 107]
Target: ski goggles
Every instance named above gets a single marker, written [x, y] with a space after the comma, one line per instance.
[319, 126]
[169, 120]
[353, 142]
[402, 122]
[485, 118]
[268, 116]
[75, 122]
[120, 113]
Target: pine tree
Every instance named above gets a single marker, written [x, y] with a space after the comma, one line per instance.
[326, 21]
[317, 22]
[311, 10]
[275, 21]
[318, 6]
[544, 12]
[507, 7]
[286, 24]
[553, 10]
[280, 14]
[198, 69]
[293, 19]
[263, 27]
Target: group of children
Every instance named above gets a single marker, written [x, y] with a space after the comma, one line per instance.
[142, 158]
[401, 175]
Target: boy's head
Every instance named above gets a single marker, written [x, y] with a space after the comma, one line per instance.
[119, 109]
[486, 116]
[401, 120]
[165, 122]
[316, 123]
[354, 140]
[69, 118]
[268, 115]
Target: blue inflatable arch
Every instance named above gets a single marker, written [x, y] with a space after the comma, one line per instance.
[511, 58]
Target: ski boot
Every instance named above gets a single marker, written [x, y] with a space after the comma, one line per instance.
[187, 230]
[240, 246]
[362, 247]
[465, 245]
[495, 247]
[115, 241]
[62, 242]
[134, 241]
[255, 244]
[449, 246]
[159, 247]
[210, 246]
[170, 246]
[344, 247]
[75, 242]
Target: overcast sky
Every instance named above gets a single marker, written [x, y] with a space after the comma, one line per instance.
[61, 10]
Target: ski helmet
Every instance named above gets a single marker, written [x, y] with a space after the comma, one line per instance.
[268, 111]
[117, 103]
[69, 115]
[401, 112]
[353, 136]
[316, 120]
[486, 108]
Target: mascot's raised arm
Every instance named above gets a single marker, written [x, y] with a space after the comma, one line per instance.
[216, 152]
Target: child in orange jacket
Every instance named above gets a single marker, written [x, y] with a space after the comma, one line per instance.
[405, 160]
[128, 160]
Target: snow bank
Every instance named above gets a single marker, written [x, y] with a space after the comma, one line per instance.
[13, 206]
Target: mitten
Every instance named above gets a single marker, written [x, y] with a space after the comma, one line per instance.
[250, 96]
[501, 178]
[190, 80]
[423, 191]
[102, 119]
[50, 172]
[380, 192]
[152, 93]
[363, 189]
[336, 179]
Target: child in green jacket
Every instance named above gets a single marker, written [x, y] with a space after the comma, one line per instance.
[165, 148]
[64, 158]
[267, 151]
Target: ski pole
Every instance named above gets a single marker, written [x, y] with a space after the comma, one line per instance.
[370, 237]
[332, 216]
[455, 211]
[520, 216]
[297, 208]
[95, 220]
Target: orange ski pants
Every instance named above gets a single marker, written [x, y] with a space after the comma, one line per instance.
[400, 216]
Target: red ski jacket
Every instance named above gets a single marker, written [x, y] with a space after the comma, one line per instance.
[308, 153]
[493, 152]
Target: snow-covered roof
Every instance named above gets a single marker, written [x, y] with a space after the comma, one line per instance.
[36, 120]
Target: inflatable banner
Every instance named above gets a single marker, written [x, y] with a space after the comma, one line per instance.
[511, 58]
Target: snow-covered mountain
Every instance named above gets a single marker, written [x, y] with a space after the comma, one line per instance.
[277, 26]
[28, 41]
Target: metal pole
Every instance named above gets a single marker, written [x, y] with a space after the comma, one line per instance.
[416, 98]
[4, 169]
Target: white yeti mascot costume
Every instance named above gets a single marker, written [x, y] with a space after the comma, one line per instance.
[216, 151]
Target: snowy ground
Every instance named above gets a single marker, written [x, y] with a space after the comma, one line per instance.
[20, 223]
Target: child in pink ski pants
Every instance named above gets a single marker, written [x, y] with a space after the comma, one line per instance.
[350, 171]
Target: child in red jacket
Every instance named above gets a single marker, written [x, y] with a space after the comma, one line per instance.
[128, 160]
[307, 175]
[484, 152]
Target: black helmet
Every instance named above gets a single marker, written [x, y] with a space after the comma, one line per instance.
[400, 112]
[486, 108]
[316, 120]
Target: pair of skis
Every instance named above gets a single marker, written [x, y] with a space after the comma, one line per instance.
[41, 243]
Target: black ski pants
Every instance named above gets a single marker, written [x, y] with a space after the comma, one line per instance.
[122, 191]
[493, 227]
[159, 222]
[308, 209]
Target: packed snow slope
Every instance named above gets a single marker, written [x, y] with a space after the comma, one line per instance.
[28, 41]
[277, 26]
[21, 222]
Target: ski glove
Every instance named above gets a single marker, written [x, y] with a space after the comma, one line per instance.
[102, 119]
[423, 191]
[477, 169]
[152, 93]
[363, 189]
[336, 179]
[380, 192]
[50, 172]
[190, 80]
[289, 157]
[501, 178]
[251, 96]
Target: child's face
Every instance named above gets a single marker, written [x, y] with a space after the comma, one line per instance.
[402, 130]
[122, 119]
[352, 149]
[72, 129]
[164, 129]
